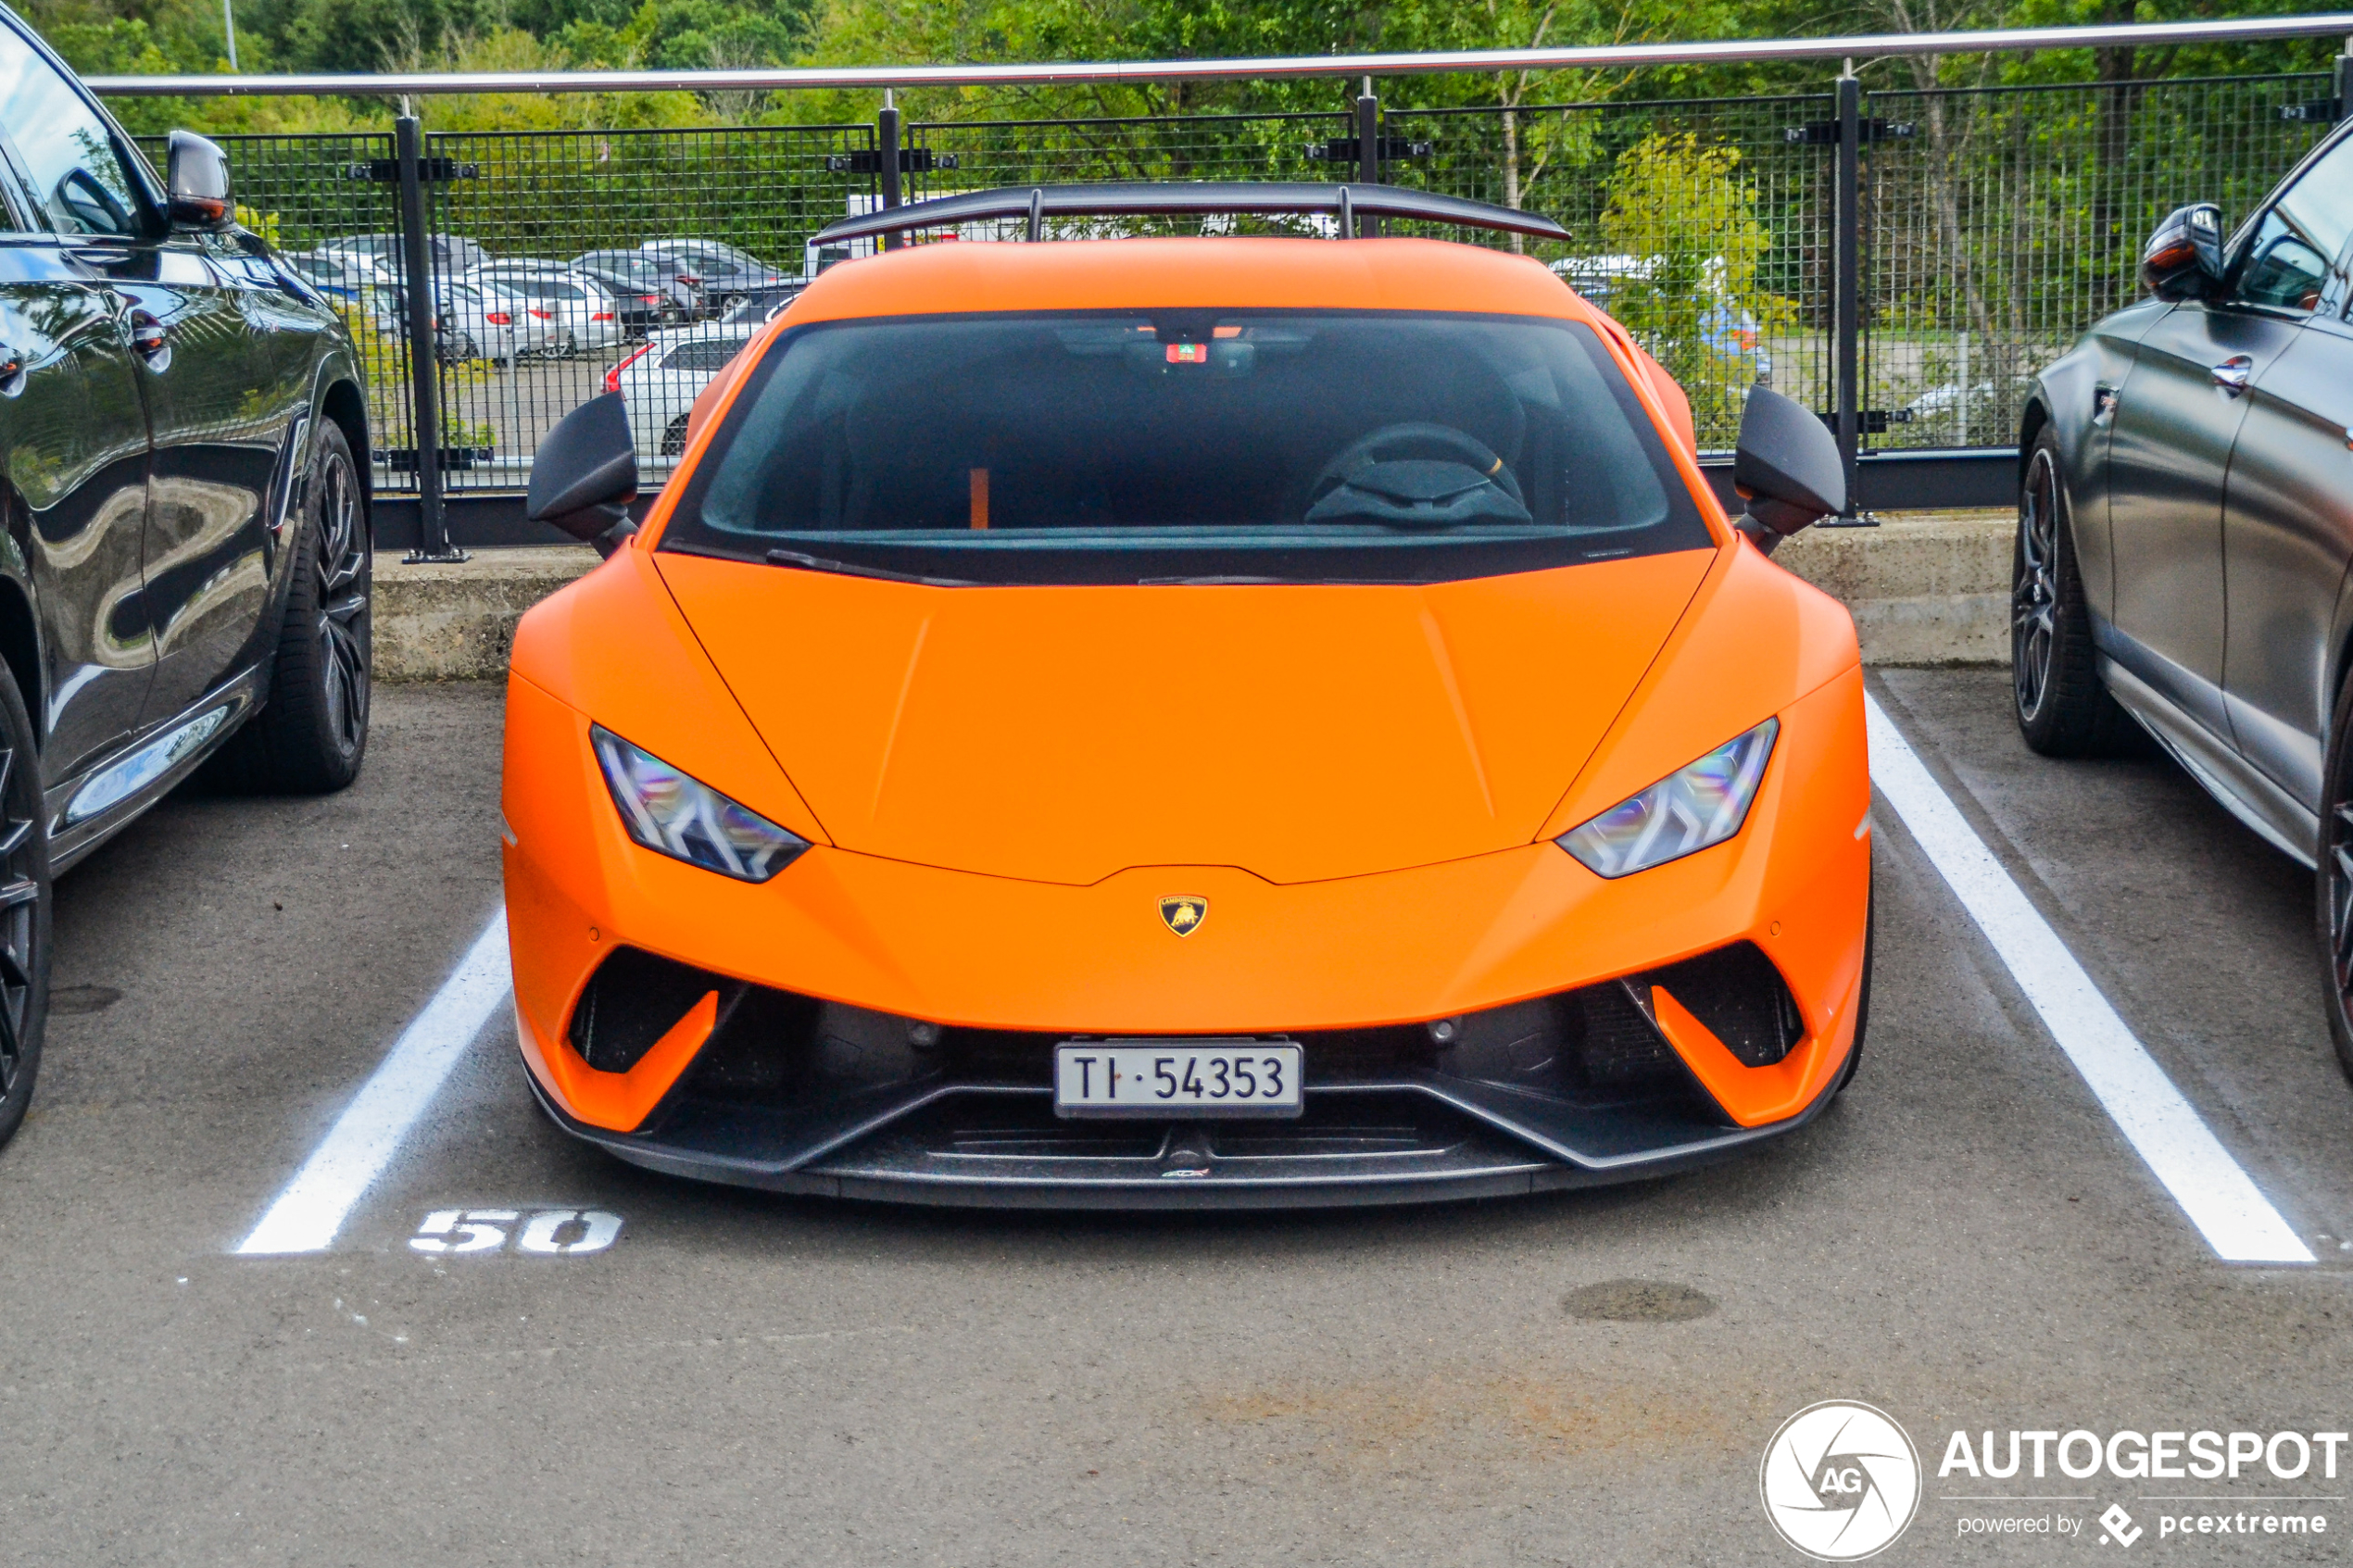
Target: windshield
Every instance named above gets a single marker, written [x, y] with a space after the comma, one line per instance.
[1186, 444]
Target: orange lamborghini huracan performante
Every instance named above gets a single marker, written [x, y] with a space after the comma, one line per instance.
[1193, 720]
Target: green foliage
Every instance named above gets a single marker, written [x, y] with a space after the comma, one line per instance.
[1685, 218]
[186, 36]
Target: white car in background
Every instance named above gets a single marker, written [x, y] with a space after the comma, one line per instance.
[342, 276]
[447, 254]
[580, 316]
[660, 382]
[479, 327]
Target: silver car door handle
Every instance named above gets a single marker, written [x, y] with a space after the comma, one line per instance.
[2232, 374]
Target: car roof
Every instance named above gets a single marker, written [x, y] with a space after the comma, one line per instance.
[1386, 274]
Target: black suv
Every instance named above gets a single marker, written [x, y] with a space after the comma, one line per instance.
[183, 507]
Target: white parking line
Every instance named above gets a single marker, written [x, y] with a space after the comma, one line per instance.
[365, 1137]
[2221, 1200]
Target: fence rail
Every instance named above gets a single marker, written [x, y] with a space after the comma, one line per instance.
[1616, 56]
[1902, 260]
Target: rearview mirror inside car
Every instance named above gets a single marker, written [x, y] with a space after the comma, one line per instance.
[2183, 259]
[584, 474]
[1786, 467]
[197, 175]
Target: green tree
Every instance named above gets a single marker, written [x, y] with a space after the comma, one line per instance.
[1684, 218]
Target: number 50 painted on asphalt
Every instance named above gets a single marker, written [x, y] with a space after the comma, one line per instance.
[484, 1230]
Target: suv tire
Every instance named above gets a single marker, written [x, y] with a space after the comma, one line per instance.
[24, 908]
[312, 730]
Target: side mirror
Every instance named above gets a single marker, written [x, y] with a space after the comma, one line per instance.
[2183, 259]
[1786, 466]
[585, 474]
[197, 175]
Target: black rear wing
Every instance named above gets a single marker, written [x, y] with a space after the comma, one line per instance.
[1178, 198]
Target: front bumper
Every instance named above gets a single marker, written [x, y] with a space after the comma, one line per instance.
[1173, 1166]
[828, 1095]
[793, 1095]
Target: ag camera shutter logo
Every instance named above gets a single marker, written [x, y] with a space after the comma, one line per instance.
[1840, 1481]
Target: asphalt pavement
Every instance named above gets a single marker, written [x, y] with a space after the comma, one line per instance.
[1968, 1241]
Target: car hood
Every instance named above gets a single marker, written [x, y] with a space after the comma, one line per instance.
[1066, 734]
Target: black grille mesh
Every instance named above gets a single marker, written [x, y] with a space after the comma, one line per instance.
[1741, 998]
[632, 1001]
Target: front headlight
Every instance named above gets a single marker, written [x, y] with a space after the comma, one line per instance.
[1687, 810]
[686, 819]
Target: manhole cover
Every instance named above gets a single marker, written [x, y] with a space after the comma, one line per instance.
[1638, 1301]
[84, 999]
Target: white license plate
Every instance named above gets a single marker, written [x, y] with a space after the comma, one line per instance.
[1215, 1078]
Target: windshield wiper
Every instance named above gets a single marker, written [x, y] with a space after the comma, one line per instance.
[806, 562]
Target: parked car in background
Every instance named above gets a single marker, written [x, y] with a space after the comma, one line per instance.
[581, 315]
[476, 324]
[1978, 413]
[450, 254]
[761, 305]
[685, 282]
[2185, 531]
[644, 272]
[340, 275]
[185, 427]
[644, 304]
[725, 272]
[660, 382]
[466, 324]
[1724, 328]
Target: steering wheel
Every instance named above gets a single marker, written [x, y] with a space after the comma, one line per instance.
[1414, 438]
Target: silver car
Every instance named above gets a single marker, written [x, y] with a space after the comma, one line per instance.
[579, 315]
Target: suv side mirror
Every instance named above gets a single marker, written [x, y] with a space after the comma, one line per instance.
[585, 474]
[1787, 466]
[198, 176]
[2184, 258]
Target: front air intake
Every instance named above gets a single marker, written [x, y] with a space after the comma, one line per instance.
[632, 1000]
[1741, 998]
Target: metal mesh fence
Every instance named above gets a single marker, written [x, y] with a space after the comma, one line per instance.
[300, 192]
[522, 339]
[945, 157]
[2006, 221]
[734, 208]
[1998, 224]
[1700, 224]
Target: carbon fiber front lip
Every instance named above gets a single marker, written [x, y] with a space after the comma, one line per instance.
[1511, 1154]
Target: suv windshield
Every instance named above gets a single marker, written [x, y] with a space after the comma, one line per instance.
[1153, 444]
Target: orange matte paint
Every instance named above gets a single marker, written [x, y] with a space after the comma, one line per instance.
[1364, 781]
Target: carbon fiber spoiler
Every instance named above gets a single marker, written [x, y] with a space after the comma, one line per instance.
[1163, 198]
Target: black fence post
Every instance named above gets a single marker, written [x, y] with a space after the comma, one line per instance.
[1846, 306]
[1368, 151]
[425, 370]
[887, 160]
[2344, 82]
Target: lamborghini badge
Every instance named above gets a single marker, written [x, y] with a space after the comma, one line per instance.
[1183, 915]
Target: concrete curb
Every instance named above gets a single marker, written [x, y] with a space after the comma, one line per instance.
[438, 622]
[1925, 588]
